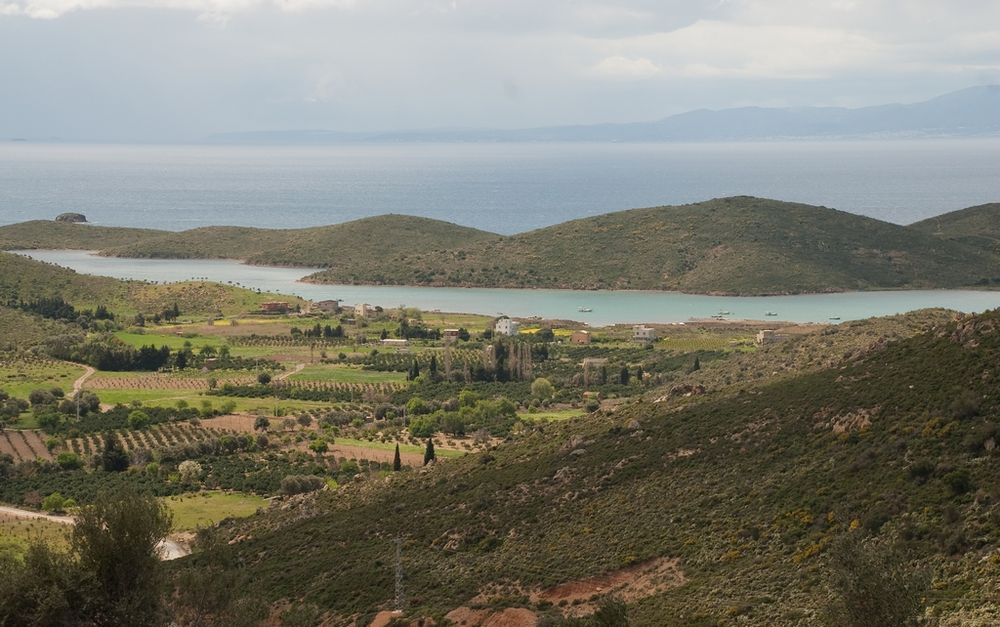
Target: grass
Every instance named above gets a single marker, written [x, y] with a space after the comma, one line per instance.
[173, 341]
[203, 509]
[560, 414]
[389, 446]
[19, 378]
[347, 374]
[17, 533]
[194, 398]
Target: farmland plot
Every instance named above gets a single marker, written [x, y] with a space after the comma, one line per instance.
[24, 445]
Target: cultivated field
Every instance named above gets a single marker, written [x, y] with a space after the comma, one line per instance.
[24, 445]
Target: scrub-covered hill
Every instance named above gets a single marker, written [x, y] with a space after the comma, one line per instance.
[739, 245]
[722, 511]
[978, 226]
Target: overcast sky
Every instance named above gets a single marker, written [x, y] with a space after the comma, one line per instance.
[182, 69]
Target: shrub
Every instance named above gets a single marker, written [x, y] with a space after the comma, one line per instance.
[69, 461]
[299, 484]
[54, 503]
[190, 471]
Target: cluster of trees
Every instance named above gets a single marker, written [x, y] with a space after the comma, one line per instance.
[11, 408]
[326, 331]
[466, 414]
[110, 574]
[52, 409]
[56, 308]
[408, 331]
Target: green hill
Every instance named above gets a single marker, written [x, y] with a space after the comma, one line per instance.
[739, 245]
[723, 511]
[23, 279]
[979, 226]
[372, 243]
[52, 235]
[733, 245]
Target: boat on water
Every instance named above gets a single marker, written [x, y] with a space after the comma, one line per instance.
[834, 318]
[770, 313]
[584, 309]
[725, 313]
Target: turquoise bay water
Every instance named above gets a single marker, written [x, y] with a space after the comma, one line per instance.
[609, 307]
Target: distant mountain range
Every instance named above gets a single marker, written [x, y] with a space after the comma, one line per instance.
[966, 113]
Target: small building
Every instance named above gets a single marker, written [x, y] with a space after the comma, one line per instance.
[450, 335]
[505, 326]
[274, 307]
[580, 337]
[643, 334]
[328, 306]
[363, 310]
[768, 336]
[395, 342]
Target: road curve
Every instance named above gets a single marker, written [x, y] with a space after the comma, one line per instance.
[168, 549]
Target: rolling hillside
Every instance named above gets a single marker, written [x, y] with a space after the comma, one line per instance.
[978, 226]
[720, 512]
[27, 279]
[46, 234]
[739, 245]
[371, 243]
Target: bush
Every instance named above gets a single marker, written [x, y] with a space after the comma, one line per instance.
[54, 503]
[69, 461]
[299, 484]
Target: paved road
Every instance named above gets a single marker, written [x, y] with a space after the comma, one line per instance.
[169, 549]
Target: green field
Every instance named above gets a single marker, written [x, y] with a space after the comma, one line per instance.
[347, 374]
[389, 446]
[173, 341]
[559, 414]
[194, 398]
[21, 377]
[16, 534]
[203, 509]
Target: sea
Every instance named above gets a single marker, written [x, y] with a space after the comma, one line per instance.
[500, 187]
[503, 187]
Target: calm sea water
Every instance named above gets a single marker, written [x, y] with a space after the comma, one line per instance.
[608, 307]
[504, 188]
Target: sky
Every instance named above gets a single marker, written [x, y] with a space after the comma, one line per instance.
[179, 70]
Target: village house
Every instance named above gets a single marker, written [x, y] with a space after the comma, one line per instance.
[643, 334]
[506, 326]
[363, 310]
[328, 306]
[395, 342]
[768, 336]
[274, 307]
[580, 337]
[449, 335]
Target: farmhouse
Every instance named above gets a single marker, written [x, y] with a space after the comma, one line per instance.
[394, 342]
[505, 326]
[276, 307]
[643, 334]
[328, 306]
[580, 337]
[768, 336]
[363, 310]
[450, 335]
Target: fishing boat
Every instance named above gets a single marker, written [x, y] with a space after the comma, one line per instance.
[770, 313]
[584, 309]
[834, 317]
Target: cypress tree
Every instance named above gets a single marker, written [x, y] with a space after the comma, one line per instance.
[429, 455]
[113, 457]
[397, 464]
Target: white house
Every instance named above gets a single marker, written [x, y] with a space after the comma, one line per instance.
[506, 326]
[643, 334]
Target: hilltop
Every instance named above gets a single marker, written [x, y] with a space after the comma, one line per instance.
[978, 226]
[55, 234]
[739, 245]
[722, 511]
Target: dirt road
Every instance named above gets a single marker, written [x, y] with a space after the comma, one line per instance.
[169, 549]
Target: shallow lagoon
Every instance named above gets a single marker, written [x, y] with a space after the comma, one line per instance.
[608, 307]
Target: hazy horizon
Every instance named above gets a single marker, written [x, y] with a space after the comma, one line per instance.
[182, 70]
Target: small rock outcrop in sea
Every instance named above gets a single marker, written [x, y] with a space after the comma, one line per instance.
[71, 217]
